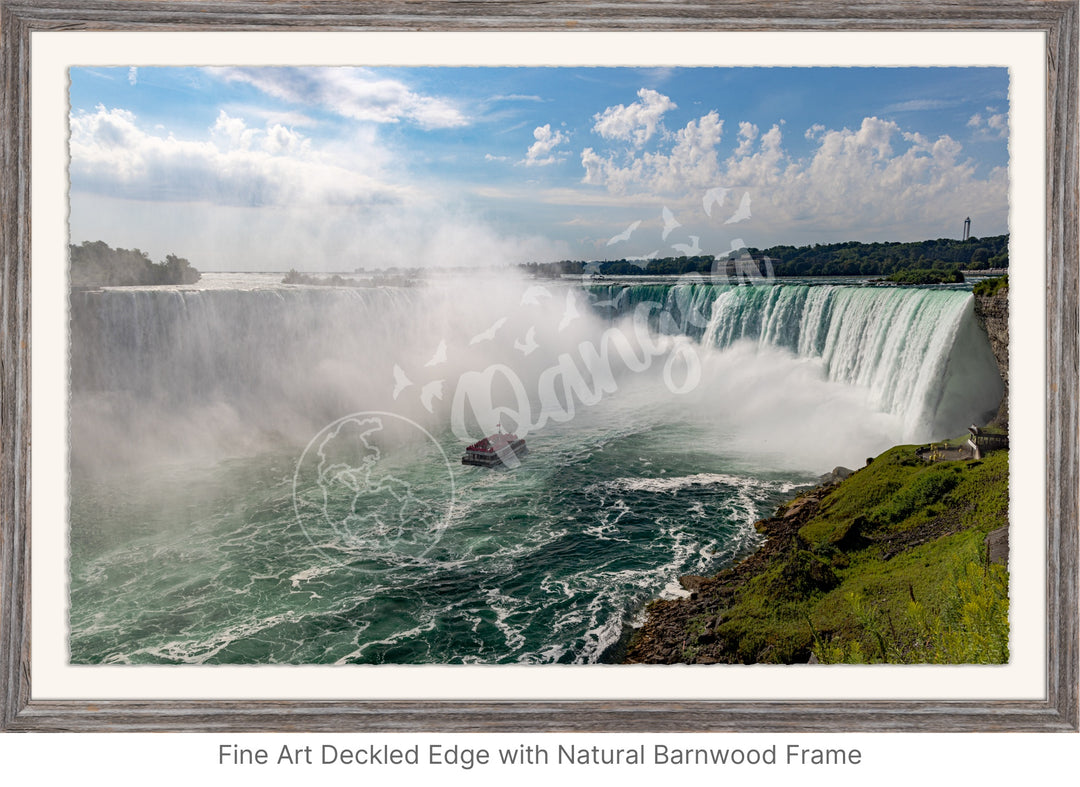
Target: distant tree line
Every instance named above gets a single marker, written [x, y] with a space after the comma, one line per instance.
[337, 280]
[926, 276]
[96, 264]
[850, 258]
[552, 270]
[295, 277]
[883, 259]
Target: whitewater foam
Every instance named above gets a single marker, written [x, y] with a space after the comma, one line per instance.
[545, 563]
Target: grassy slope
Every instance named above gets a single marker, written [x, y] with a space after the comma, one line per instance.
[884, 557]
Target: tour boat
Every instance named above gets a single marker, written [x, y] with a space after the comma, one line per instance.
[497, 450]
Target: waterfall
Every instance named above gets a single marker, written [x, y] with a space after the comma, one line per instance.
[160, 370]
[177, 365]
[167, 371]
[918, 351]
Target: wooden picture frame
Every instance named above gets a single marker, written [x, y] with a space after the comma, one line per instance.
[1058, 711]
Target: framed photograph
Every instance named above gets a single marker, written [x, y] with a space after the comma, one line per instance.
[643, 367]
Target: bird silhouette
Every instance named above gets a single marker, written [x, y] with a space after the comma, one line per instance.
[670, 222]
[712, 197]
[489, 334]
[625, 234]
[430, 392]
[532, 296]
[570, 313]
[688, 250]
[529, 344]
[742, 213]
[401, 382]
[439, 356]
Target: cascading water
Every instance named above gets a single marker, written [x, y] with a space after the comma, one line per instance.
[191, 409]
[918, 352]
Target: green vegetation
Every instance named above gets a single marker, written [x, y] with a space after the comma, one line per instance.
[95, 264]
[889, 566]
[553, 270]
[989, 287]
[884, 259]
[926, 276]
[337, 280]
[850, 258]
[969, 625]
[295, 277]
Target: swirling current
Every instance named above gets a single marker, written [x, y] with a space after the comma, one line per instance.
[270, 474]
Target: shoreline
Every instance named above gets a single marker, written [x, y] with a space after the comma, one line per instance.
[837, 578]
[661, 630]
[900, 502]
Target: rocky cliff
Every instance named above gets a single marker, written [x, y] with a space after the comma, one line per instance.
[992, 312]
[860, 544]
[839, 569]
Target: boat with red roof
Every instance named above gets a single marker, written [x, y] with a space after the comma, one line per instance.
[502, 449]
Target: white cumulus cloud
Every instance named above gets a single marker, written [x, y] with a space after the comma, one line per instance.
[748, 132]
[111, 154]
[542, 152]
[994, 125]
[876, 175]
[691, 162]
[635, 123]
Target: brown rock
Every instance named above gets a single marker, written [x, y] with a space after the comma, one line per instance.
[992, 313]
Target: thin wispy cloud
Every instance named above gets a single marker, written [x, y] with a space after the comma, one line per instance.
[353, 93]
[518, 97]
[920, 105]
[267, 115]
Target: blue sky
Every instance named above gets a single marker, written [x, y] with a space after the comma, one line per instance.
[339, 168]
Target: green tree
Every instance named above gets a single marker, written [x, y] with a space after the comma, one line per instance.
[179, 271]
[96, 264]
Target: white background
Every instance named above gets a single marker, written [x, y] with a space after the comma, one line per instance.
[169, 759]
[903, 760]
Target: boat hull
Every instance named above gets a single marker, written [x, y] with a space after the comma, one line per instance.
[495, 458]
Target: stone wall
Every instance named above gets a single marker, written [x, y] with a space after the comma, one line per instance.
[992, 312]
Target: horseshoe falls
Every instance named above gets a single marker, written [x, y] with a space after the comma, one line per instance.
[270, 474]
[917, 352]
